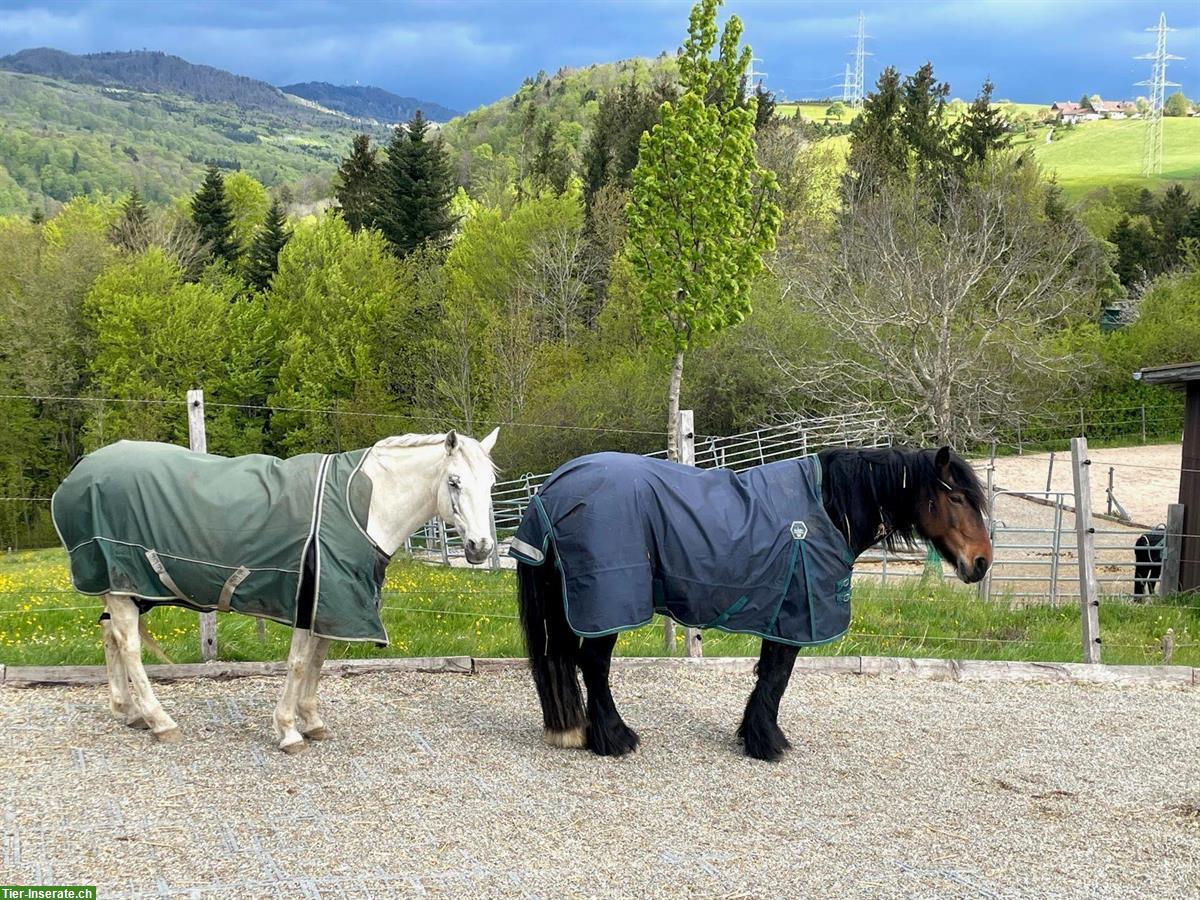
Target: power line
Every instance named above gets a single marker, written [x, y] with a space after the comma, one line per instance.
[1152, 155]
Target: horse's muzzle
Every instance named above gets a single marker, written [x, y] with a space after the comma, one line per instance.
[976, 571]
[477, 552]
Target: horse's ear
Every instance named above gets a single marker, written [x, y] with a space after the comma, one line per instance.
[451, 441]
[941, 462]
[490, 441]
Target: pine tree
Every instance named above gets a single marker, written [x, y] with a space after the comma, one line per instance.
[263, 261]
[981, 131]
[764, 114]
[358, 183]
[416, 186]
[131, 232]
[877, 152]
[923, 125]
[1171, 221]
[551, 167]
[624, 115]
[214, 218]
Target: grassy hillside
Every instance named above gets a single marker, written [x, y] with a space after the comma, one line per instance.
[60, 139]
[1108, 153]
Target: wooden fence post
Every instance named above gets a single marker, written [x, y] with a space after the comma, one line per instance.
[687, 456]
[1168, 584]
[1085, 533]
[198, 441]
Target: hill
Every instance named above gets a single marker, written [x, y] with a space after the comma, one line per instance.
[61, 138]
[151, 72]
[1109, 153]
[567, 100]
[366, 102]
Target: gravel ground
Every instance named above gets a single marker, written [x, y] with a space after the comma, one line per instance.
[439, 785]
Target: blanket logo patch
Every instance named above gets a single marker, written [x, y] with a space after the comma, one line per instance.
[799, 530]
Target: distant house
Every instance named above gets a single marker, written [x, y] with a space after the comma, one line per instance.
[1115, 109]
[1069, 113]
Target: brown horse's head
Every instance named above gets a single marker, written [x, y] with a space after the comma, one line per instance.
[950, 514]
[901, 496]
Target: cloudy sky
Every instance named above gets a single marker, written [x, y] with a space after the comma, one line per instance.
[464, 54]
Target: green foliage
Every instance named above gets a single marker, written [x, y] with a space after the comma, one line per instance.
[159, 142]
[1176, 105]
[153, 338]
[263, 258]
[906, 131]
[357, 183]
[248, 203]
[981, 131]
[415, 189]
[212, 214]
[1153, 234]
[700, 216]
[324, 306]
[625, 113]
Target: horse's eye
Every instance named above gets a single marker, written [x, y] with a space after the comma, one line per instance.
[455, 482]
[956, 498]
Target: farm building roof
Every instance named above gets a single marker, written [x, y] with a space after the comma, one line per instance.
[1176, 374]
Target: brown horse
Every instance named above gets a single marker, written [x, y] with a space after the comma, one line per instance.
[889, 496]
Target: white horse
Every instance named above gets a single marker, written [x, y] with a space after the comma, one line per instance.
[414, 477]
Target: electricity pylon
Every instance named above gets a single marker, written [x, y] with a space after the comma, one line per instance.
[1152, 157]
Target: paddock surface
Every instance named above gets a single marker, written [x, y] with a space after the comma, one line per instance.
[439, 785]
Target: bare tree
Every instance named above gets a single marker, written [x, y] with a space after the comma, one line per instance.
[938, 304]
[176, 236]
[556, 279]
[514, 345]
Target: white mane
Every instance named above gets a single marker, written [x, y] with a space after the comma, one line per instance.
[474, 453]
[411, 440]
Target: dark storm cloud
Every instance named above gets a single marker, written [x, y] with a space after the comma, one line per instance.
[464, 54]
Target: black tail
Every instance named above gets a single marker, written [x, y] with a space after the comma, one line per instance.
[551, 646]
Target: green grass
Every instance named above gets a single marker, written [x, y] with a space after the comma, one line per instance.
[1108, 153]
[813, 111]
[433, 611]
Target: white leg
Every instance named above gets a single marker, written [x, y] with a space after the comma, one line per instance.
[118, 679]
[290, 740]
[128, 645]
[311, 725]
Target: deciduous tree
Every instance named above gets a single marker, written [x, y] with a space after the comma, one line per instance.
[700, 216]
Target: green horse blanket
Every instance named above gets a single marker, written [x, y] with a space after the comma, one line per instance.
[173, 527]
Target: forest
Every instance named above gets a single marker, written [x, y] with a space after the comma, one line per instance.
[576, 282]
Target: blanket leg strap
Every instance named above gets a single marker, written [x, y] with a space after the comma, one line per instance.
[164, 576]
[231, 583]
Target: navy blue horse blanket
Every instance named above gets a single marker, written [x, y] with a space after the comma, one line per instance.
[752, 552]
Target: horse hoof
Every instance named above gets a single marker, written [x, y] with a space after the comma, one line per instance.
[294, 747]
[170, 736]
[138, 722]
[318, 734]
[615, 740]
[572, 738]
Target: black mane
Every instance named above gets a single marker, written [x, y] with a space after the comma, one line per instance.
[864, 488]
